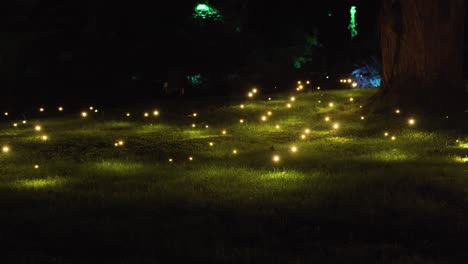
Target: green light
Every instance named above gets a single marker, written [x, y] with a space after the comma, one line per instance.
[204, 11]
[352, 24]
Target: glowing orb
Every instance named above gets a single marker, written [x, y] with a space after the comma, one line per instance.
[354, 85]
[41, 109]
[38, 128]
[331, 104]
[254, 90]
[277, 127]
[242, 106]
[44, 137]
[336, 126]
[95, 110]
[224, 132]
[120, 142]
[299, 82]
[294, 149]
[327, 119]
[393, 138]
[194, 125]
[303, 136]
[241, 121]
[411, 121]
[171, 160]
[128, 114]
[24, 121]
[276, 158]
[269, 98]
[91, 108]
[84, 114]
[36, 166]
[211, 144]
[194, 114]
[362, 117]
[292, 99]
[6, 113]
[269, 113]
[350, 81]
[288, 105]
[351, 99]
[5, 149]
[397, 111]
[264, 118]
[15, 124]
[60, 108]
[190, 158]
[386, 134]
[308, 82]
[206, 126]
[250, 94]
[145, 114]
[234, 151]
[307, 131]
[318, 88]
[155, 112]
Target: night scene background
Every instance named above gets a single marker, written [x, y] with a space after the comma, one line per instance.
[234, 131]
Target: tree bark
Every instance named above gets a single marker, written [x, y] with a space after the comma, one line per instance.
[422, 55]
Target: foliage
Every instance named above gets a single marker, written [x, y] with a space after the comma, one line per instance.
[367, 74]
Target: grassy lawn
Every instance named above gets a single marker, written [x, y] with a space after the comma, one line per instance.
[347, 195]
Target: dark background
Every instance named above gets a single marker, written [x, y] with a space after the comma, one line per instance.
[74, 52]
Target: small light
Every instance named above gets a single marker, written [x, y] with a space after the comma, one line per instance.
[190, 158]
[354, 85]
[41, 109]
[36, 167]
[95, 110]
[250, 94]
[194, 125]
[303, 136]
[206, 126]
[241, 121]
[6, 113]
[360, 106]
[242, 106]
[362, 117]
[264, 118]
[269, 98]
[254, 90]
[294, 149]
[307, 131]
[327, 119]
[120, 142]
[194, 114]
[38, 128]
[393, 138]
[278, 127]
[234, 151]
[128, 114]
[292, 99]
[411, 121]
[397, 111]
[319, 101]
[308, 82]
[328, 77]
[299, 82]
[211, 144]
[331, 104]
[386, 134]
[224, 132]
[269, 113]
[5, 149]
[276, 158]
[15, 124]
[288, 105]
[91, 108]
[171, 160]
[84, 114]
[145, 114]
[301, 87]
[351, 99]
[60, 109]
[336, 126]
[350, 81]
[155, 112]
[44, 137]
[116, 144]
[318, 88]
[24, 121]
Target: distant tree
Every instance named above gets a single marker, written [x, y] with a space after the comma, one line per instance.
[422, 55]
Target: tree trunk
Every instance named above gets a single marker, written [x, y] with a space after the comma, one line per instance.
[422, 55]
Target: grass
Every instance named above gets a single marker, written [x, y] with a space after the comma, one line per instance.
[347, 195]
